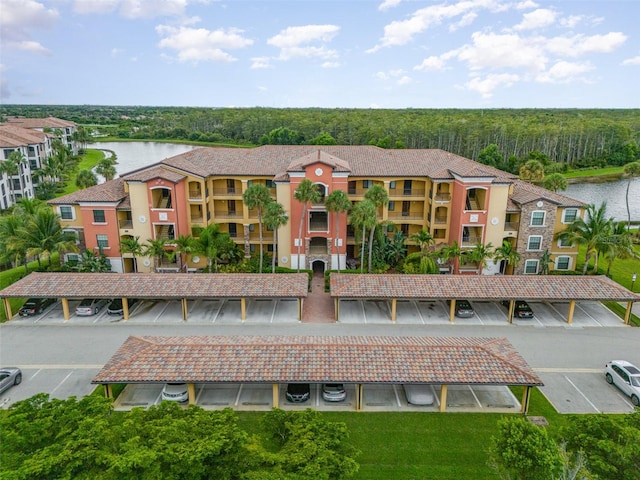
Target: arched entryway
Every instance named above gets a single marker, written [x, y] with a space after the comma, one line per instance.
[318, 267]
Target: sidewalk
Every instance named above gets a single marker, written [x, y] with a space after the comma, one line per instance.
[318, 306]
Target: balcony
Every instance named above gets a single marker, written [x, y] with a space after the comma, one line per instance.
[443, 197]
[440, 219]
[227, 192]
[227, 215]
[511, 226]
[125, 224]
[195, 194]
[470, 241]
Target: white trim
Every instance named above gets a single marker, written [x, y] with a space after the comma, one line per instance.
[529, 249]
[569, 263]
[531, 260]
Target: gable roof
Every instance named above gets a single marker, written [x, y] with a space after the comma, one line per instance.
[109, 192]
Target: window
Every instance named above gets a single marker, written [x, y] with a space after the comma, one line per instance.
[531, 267]
[271, 184]
[392, 205]
[537, 218]
[367, 183]
[535, 242]
[103, 241]
[563, 263]
[71, 232]
[563, 242]
[233, 230]
[569, 215]
[66, 212]
[98, 216]
[392, 185]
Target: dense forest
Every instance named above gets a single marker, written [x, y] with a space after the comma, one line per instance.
[575, 138]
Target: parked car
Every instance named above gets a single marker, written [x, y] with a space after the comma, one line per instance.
[463, 308]
[626, 377]
[418, 394]
[175, 392]
[91, 306]
[115, 307]
[521, 310]
[298, 392]
[35, 306]
[9, 376]
[333, 392]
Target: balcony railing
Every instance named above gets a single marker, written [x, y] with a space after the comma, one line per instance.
[470, 241]
[125, 224]
[195, 194]
[443, 197]
[511, 226]
[227, 192]
[440, 219]
[227, 215]
[405, 216]
[197, 219]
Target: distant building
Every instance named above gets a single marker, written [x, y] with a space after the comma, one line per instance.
[452, 197]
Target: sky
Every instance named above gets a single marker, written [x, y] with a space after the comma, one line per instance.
[321, 53]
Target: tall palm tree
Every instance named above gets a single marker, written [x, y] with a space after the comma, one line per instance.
[508, 254]
[423, 238]
[379, 197]
[11, 166]
[593, 232]
[532, 171]
[450, 252]
[208, 243]
[555, 182]
[479, 255]
[338, 202]
[44, 236]
[184, 247]
[257, 196]
[13, 247]
[619, 246]
[155, 248]
[630, 171]
[306, 193]
[363, 216]
[275, 216]
[86, 178]
[133, 246]
[106, 167]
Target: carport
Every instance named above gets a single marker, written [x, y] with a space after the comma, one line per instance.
[359, 360]
[390, 287]
[169, 286]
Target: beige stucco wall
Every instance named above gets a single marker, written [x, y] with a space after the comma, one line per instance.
[139, 209]
[495, 233]
[283, 196]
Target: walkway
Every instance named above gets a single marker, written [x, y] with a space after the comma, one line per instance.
[318, 306]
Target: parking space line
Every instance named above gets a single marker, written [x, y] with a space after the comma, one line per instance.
[395, 391]
[475, 396]
[588, 315]
[479, 319]
[35, 374]
[583, 395]
[239, 394]
[567, 370]
[364, 313]
[166, 305]
[273, 311]
[215, 317]
[415, 305]
[63, 380]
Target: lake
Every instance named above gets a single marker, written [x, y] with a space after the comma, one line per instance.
[134, 155]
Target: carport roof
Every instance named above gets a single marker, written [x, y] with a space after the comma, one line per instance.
[160, 285]
[480, 287]
[311, 359]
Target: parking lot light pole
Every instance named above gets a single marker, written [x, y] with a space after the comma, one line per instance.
[633, 280]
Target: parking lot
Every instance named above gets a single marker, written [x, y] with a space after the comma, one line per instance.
[283, 311]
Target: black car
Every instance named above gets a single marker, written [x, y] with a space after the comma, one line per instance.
[34, 306]
[463, 308]
[521, 310]
[115, 307]
[298, 392]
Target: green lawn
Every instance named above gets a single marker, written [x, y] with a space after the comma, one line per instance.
[90, 159]
[593, 172]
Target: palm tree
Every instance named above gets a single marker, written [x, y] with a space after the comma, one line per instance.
[630, 171]
[619, 246]
[363, 216]
[479, 255]
[208, 243]
[11, 166]
[338, 202]
[379, 197]
[133, 246]
[508, 254]
[184, 246]
[275, 216]
[545, 260]
[12, 241]
[257, 196]
[555, 182]
[155, 248]
[44, 236]
[450, 252]
[423, 238]
[532, 171]
[106, 167]
[86, 178]
[28, 206]
[306, 193]
[593, 232]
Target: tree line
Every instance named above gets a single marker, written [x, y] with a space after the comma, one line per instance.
[575, 137]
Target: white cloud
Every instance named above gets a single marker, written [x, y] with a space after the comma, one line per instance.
[495, 51]
[132, 8]
[18, 18]
[579, 45]
[527, 4]
[293, 41]
[632, 61]
[387, 4]
[405, 80]
[539, 18]
[485, 86]
[330, 65]
[116, 52]
[466, 20]
[564, 72]
[5, 91]
[260, 62]
[196, 44]
[431, 63]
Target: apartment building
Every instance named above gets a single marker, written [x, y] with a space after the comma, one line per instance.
[454, 198]
[61, 129]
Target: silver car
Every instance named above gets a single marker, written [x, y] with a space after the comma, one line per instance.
[626, 377]
[333, 392]
[175, 392]
[9, 376]
[91, 306]
[419, 394]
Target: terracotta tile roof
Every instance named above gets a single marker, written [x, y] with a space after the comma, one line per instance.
[480, 287]
[159, 285]
[112, 191]
[309, 359]
[525, 192]
[50, 122]
[15, 136]
[156, 172]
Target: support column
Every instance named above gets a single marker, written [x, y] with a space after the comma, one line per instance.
[191, 389]
[526, 396]
[276, 395]
[443, 398]
[512, 307]
[7, 308]
[243, 309]
[394, 305]
[185, 309]
[300, 307]
[108, 391]
[359, 397]
[336, 309]
[65, 309]
[125, 308]
[627, 313]
[572, 308]
[452, 310]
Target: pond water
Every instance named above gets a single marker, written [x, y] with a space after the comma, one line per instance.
[134, 155]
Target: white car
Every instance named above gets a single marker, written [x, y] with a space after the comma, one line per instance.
[334, 392]
[175, 392]
[419, 394]
[626, 377]
[91, 306]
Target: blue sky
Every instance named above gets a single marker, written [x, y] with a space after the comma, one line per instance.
[322, 53]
